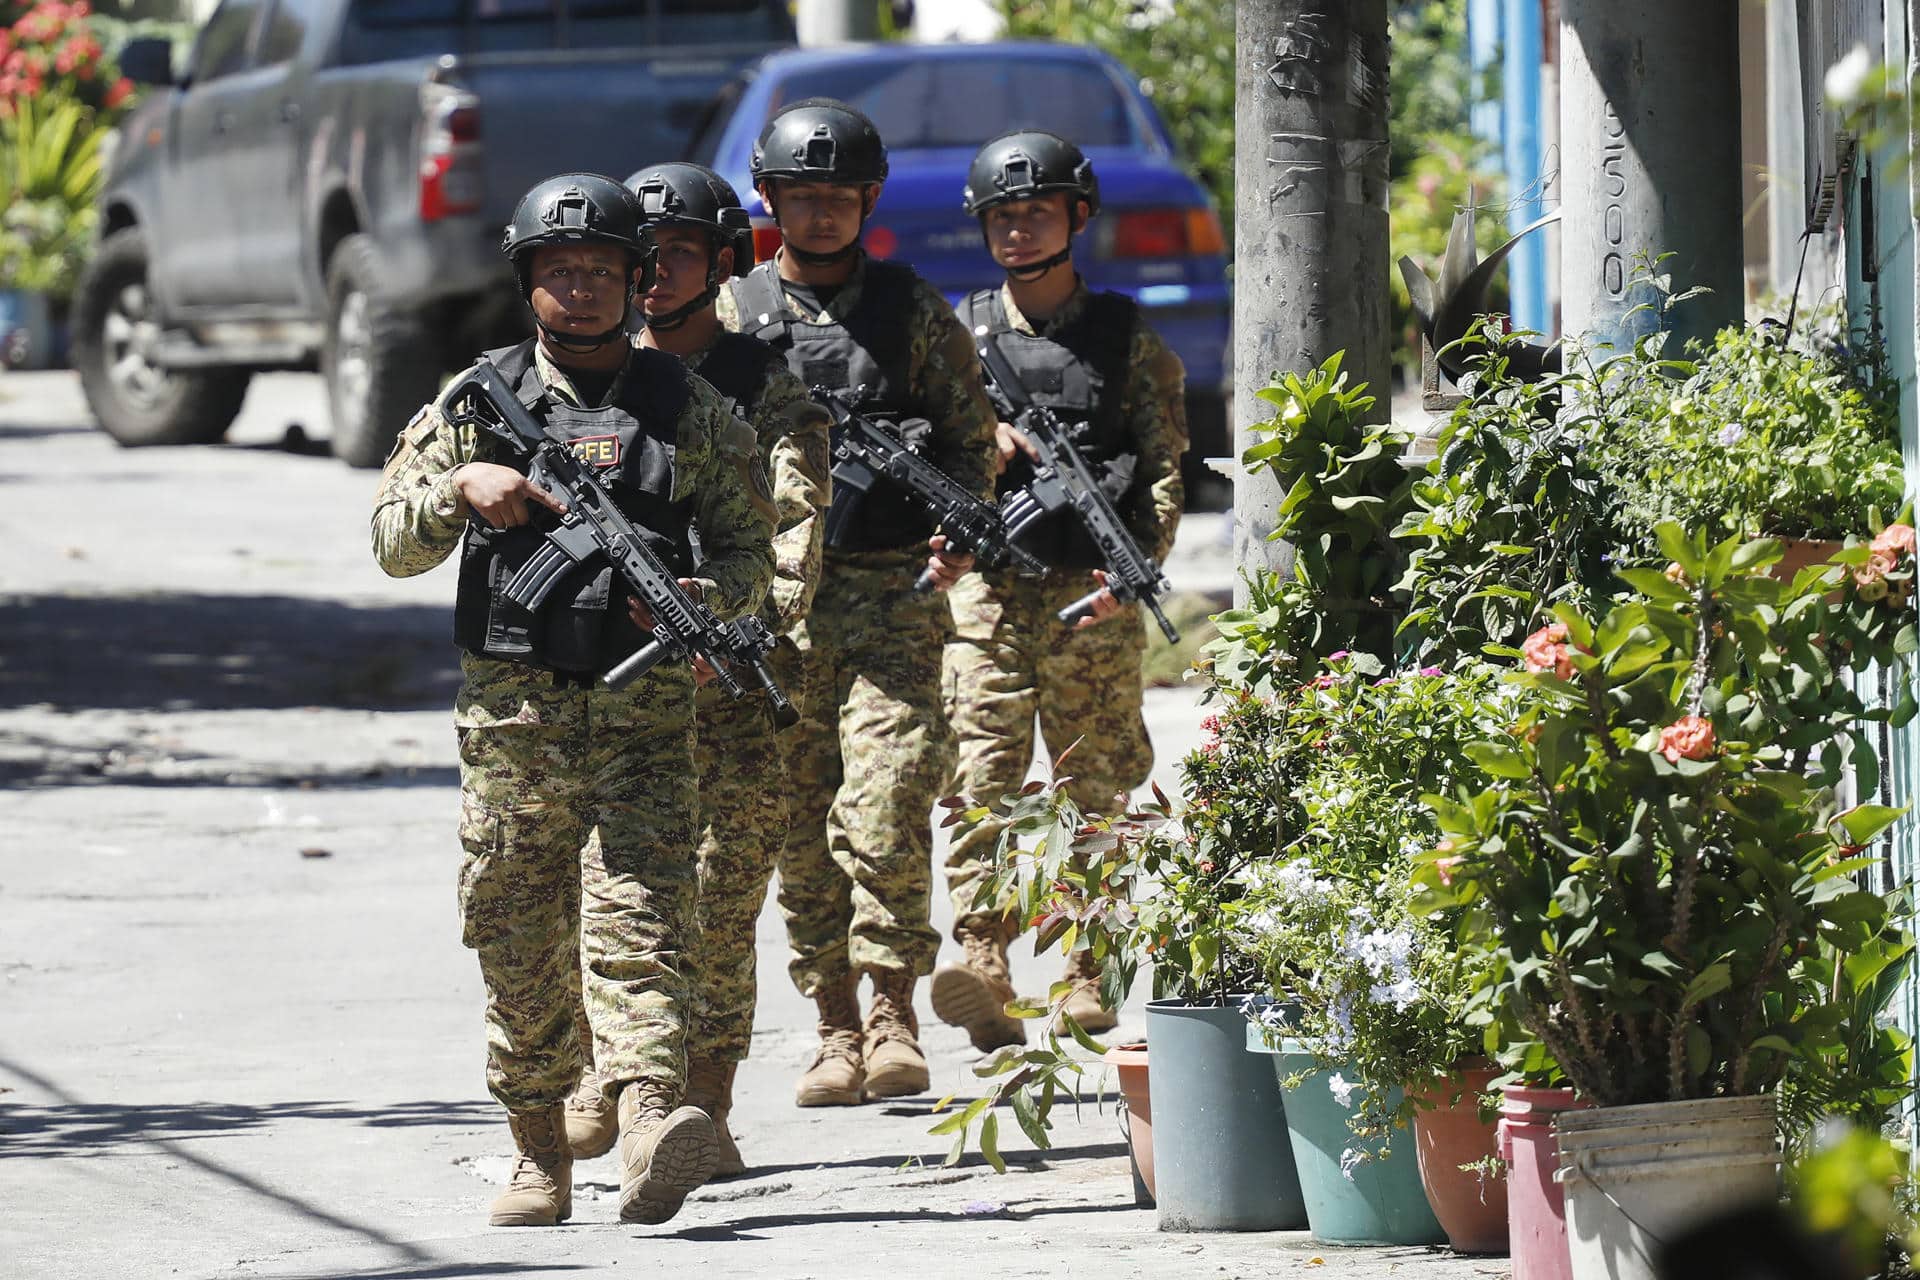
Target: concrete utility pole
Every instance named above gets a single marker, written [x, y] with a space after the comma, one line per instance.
[837, 21]
[1650, 140]
[1310, 218]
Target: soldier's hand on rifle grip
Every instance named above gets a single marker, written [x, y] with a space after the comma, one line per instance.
[1100, 606]
[944, 567]
[643, 616]
[703, 672]
[1010, 438]
[500, 495]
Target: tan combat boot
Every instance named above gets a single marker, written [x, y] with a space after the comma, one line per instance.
[591, 1123]
[838, 1074]
[665, 1152]
[710, 1088]
[540, 1193]
[895, 1065]
[1084, 1006]
[973, 994]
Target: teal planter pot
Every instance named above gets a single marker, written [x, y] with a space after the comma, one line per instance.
[1382, 1202]
[1221, 1157]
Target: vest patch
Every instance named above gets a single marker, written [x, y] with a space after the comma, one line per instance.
[597, 451]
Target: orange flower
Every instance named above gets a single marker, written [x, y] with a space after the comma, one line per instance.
[1547, 650]
[1895, 539]
[1688, 738]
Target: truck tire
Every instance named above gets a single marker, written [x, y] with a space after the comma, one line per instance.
[114, 332]
[380, 362]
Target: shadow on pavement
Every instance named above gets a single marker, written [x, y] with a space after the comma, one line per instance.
[742, 1228]
[86, 1129]
[437, 1271]
[31, 760]
[163, 1128]
[931, 1163]
[189, 652]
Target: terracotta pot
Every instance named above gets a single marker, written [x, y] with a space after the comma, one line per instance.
[1802, 553]
[1448, 1131]
[1129, 1062]
[1536, 1206]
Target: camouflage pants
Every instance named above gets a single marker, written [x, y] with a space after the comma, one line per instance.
[743, 823]
[577, 815]
[863, 770]
[1012, 660]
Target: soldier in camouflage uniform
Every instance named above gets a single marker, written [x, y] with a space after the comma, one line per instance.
[874, 749]
[1116, 386]
[565, 783]
[702, 238]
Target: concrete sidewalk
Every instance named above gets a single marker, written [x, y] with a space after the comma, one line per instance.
[240, 1037]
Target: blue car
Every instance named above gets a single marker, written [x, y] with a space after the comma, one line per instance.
[1157, 238]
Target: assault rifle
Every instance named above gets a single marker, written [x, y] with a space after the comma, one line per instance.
[865, 450]
[682, 626]
[1063, 480]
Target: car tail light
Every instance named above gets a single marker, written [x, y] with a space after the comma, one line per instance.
[766, 240]
[1166, 233]
[450, 175]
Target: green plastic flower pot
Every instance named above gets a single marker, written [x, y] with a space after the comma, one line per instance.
[1220, 1152]
[1375, 1201]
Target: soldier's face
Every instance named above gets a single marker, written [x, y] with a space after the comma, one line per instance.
[680, 272]
[819, 217]
[1021, 232]
[580, 288]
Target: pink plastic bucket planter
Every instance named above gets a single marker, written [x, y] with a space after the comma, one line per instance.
[1536, 1205]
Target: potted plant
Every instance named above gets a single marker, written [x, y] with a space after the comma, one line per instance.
[1661, 877]
[1376, 1052]
[1762, 432]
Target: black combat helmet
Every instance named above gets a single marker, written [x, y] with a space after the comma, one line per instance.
[576, 207]
[692, 195]
[1022, 165]
[1025, 164]
[819, 140]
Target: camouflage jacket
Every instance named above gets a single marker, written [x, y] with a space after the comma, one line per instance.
[943, 374]
[1153, 412]
[792, 432]
[418, 514]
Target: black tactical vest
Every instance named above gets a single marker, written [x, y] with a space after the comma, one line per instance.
[582, 628]
[1080, 372]
[868, 348]
[737, 367]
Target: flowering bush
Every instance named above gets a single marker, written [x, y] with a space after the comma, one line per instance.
[1373, 989]
[1755, 436]
[1661, 876]
[50, 47]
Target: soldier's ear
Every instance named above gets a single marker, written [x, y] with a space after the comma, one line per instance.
[869, 197]
[1079, 213]
[723, 262]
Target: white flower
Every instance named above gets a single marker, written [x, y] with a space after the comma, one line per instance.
[1400, 993]
[1847, 78]
[1350, 1159]
[1730, 434]
[1341, 1089]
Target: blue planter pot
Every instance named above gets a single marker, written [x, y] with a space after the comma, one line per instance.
[1379, 1201]
[27, 335]
[1222, 1161]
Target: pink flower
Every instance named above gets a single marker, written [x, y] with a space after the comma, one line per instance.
[122, 90]
[1336, 655]
[1870, 579]
[1547, 650]
[1688, 738]
[1444, 868]
[1432, 671]
[1896, 539]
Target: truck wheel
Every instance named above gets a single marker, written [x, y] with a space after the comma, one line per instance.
[115, 331]
[381, 363]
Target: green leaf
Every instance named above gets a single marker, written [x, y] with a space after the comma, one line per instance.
[1863, 822]
[1709, 982]
[1498, 761]
[990, 1142]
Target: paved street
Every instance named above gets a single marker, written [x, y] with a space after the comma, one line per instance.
[238, 1034]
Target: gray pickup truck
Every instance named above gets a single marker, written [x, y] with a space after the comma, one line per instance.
[326, 184]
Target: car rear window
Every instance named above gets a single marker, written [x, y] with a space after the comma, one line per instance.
[961, 102]
[382, 29]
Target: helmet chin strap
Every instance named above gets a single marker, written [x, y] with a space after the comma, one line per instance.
[1034, 270]
[581, 344]
[809, 257]
[680, 314]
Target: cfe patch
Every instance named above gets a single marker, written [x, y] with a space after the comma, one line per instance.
[597, 451]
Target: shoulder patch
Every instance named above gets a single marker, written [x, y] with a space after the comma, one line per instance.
[739, 438]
